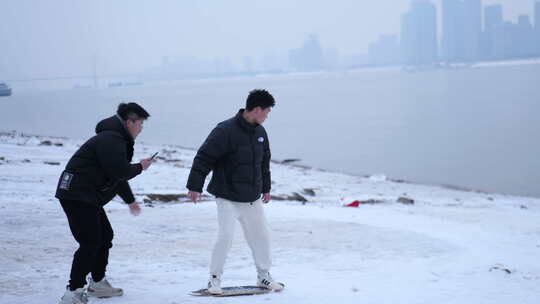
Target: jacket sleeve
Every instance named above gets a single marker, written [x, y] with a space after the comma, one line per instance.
[112, 156]
[213, 148]
[266, 176]
[124, 191]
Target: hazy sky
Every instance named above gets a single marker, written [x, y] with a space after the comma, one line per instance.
[60, 37]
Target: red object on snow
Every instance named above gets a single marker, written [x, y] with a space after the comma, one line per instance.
[354, 204]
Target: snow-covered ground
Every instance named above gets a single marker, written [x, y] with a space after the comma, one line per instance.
[450, 246]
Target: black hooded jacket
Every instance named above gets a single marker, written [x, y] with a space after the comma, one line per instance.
[238, 154]
[101, 167]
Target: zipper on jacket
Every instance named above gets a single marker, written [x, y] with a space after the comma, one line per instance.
[253, 159]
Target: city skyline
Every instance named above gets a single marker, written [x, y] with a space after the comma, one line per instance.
[39, 39]
[467, 31]
[419, 42]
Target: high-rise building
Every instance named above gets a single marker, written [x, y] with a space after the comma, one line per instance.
[309, 57]
[504, 41]
[419, 34]
[493, 18]
[513, 40]
[525, 40]
[452, 30]
[461, 30]
[537, 27]
[537, 15]
[472, 23]
[408, 39]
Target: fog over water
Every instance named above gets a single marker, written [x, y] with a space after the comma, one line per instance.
[475, 127]
[70, 38]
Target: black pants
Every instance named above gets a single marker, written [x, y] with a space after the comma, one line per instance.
[91, 229]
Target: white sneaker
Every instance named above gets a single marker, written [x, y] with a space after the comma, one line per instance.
[78, 296]
[102, 289]
[214, 285]
[265, 280]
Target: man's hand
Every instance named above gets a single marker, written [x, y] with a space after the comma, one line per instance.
[134, 208]
[266, 198]
[194, 196]
[145, 163]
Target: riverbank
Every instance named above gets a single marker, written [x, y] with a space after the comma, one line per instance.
[440, 246]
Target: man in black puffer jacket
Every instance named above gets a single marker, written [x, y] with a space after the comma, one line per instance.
[238, 154]
[95, 174]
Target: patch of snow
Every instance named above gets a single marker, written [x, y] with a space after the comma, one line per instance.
[451, 246]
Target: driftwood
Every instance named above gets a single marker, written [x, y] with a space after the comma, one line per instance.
[152, 198]
[293, 197]
[405, 200]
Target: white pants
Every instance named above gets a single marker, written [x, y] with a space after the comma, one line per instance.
[251, 217]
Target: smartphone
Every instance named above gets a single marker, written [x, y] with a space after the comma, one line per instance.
[153, 156]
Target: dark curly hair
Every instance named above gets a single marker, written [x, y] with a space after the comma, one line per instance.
[259, 98]
[131, 111]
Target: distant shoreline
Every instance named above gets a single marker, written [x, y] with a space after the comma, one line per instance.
[142, 78]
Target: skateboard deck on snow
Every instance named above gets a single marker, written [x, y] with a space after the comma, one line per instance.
[232, 291]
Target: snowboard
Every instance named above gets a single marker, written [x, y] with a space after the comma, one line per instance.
[232, 291]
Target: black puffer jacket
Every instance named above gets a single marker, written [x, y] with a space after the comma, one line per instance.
[101, 167]
[238, 153]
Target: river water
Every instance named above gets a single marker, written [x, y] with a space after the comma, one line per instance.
[476, 127]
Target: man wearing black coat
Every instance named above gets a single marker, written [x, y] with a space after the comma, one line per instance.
[238, 154]
[95, 174]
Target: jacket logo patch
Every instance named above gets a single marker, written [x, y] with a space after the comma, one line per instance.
[65, 182]
[260, 139]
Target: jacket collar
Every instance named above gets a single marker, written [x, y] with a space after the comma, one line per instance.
[244, 123]
[124, 126]
[115, 124]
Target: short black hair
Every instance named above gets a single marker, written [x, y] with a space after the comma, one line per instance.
[259, 98]
[131, 111]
